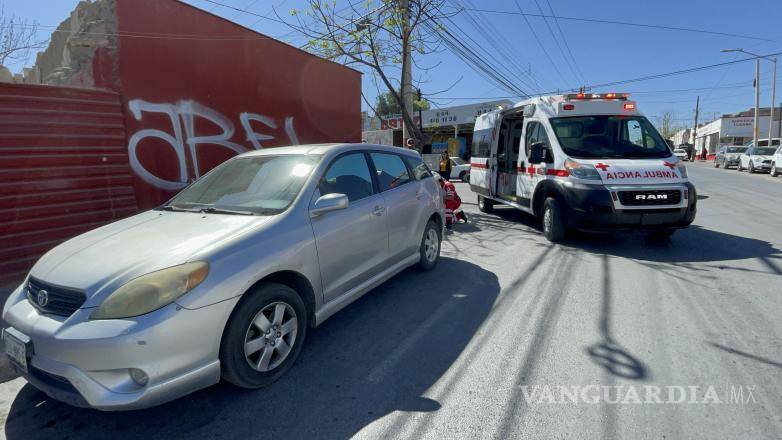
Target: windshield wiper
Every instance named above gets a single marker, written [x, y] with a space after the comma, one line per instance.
[174, 208]
[214, 210]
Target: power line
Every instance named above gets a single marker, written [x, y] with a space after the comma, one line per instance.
[567, 46]
[627, 23]
[540, 44]
[556, 41]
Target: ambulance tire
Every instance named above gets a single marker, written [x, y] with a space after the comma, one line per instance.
[553, 221]
[485, 205]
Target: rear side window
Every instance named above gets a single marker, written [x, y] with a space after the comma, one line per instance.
[391, 170]
[420, 170]
[349, 175]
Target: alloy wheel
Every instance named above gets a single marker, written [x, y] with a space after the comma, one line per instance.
[431, 245]
[270, 336]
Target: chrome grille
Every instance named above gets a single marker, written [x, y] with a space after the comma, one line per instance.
[60, 301]
[650, 197]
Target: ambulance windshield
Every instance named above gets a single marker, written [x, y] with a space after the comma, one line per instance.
[599, 137]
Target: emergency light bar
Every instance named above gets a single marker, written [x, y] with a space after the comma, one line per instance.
[619, 96]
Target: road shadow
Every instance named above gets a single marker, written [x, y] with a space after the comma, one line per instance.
[378, 355]
[692, 245]
[608, 352]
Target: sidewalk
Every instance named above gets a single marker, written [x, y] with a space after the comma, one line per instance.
[7, 372]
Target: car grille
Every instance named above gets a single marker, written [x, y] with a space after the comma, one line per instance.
[767, 162]
[650, 198]
[60, 301]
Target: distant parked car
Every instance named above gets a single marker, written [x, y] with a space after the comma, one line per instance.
[756, 159]
[776, 162]
[459, 168]
[681, 153]
[728, 156]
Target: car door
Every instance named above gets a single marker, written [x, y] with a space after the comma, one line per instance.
[352, 243]
[402, 194]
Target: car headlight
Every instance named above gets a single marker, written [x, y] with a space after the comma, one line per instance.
[757, 158]
[581, 170]
[682, 169]
[152, 291]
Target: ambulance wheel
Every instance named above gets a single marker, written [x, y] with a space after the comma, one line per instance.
[553, 221]
[485, 205]
[661, 234]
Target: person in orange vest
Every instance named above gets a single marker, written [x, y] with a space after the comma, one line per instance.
[452, 202]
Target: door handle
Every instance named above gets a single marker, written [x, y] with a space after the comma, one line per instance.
[379, 210]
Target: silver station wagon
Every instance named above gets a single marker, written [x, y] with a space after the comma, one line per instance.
[225, 278]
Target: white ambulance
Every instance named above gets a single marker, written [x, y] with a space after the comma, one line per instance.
[581, 161]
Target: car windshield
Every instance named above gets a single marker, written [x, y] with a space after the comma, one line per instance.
[736, 150]
[588, 137]
[262, 185]
[764, 151]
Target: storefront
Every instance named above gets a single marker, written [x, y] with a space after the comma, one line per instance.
[735, 129]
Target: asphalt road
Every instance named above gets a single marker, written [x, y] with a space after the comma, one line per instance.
[451, 353]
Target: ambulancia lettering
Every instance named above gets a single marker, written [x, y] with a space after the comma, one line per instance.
[649, 174]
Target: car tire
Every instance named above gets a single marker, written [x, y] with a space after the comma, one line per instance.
[485, 205]
[716, 164]
[464, 177]
[751, 168]
[553, 220]
[430, 246]
[271, 300]
[661, 234]
[738, 166]
[774, 172]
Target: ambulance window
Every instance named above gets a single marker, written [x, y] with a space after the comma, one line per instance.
[535, 133]
[634, 132]
[480, 143]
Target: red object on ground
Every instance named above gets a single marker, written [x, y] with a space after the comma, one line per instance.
[452, 201]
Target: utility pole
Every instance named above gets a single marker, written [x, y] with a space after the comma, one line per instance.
[695, 128]
[773, 98]
[756, 119]
[407, 71]
[779, 124]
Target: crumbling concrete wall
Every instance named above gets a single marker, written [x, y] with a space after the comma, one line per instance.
[82, 50]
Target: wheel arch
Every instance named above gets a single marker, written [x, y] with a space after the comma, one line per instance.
[545, 189]
[296, 281]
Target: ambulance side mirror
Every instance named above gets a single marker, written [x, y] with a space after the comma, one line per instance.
[537, 152]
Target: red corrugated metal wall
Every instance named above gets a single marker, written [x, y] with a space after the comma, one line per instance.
[63, 169]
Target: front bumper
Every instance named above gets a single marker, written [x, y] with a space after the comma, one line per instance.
[592, 208]
[87, 363]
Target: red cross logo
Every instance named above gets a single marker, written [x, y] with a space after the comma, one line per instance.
[669, 165]
[603, 167]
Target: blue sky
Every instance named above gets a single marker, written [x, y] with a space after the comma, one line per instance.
[603, 53]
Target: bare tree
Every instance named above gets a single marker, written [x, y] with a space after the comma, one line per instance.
[667, 124]
[373, 36]
[17, 37]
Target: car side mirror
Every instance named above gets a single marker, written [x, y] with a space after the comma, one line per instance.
[329, 203]
[538, 153]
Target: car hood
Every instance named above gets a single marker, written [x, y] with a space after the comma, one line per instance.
[116, 253]
[763, 157]
[637, 171]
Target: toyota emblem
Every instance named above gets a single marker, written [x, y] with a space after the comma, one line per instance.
[42, 298]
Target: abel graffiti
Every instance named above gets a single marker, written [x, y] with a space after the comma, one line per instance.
[183, 137]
